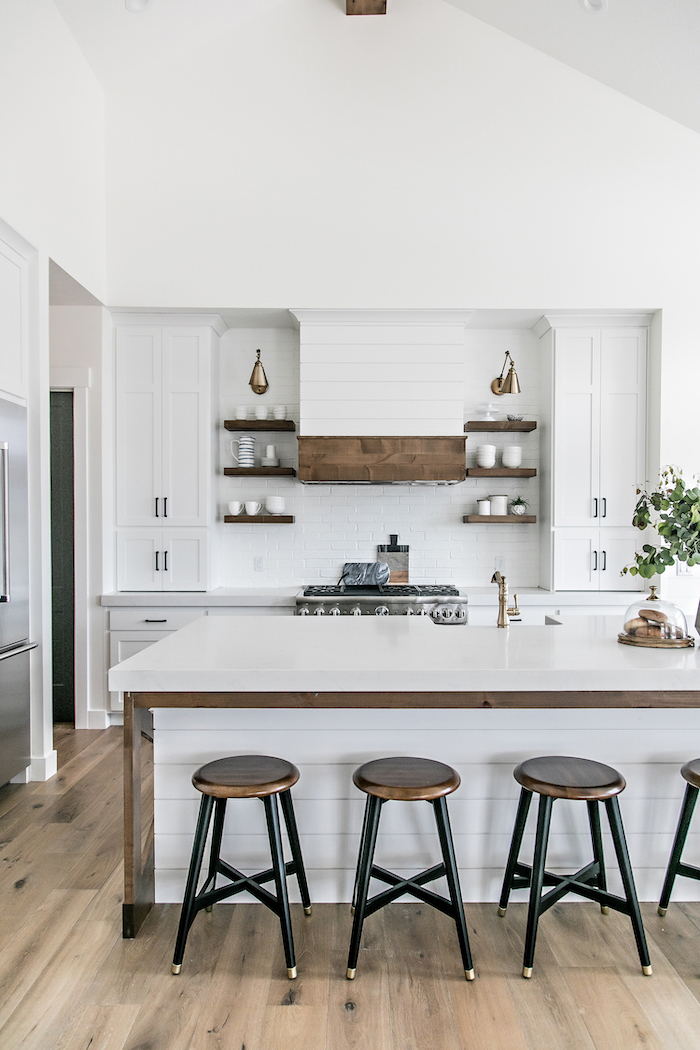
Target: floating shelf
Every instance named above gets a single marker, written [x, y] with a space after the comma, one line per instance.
[259, 424]
[499, 519]
[260, 472]
[501, 472]
[259, 519]
[491, 426]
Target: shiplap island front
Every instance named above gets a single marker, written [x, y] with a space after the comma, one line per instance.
[330, 693]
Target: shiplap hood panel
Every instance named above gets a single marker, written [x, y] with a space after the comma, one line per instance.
[381, 373]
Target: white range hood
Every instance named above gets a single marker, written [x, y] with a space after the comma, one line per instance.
[382, 374]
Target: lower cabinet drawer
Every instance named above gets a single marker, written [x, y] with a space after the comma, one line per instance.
[142, 619]
[122, 645]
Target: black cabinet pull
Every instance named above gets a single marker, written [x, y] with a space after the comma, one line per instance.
[605, 560]
[595, 564]
[165, 506]
[157, 565]
[155, 621]
[156, 506]
[605, 507]
[595, 512]
[165, 559]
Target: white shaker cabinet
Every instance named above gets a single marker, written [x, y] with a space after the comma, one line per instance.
[162, 559]
[163, 387]
[598, 425]
[595, 460]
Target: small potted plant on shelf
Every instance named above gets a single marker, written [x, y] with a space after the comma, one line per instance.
[673, 509]
[518, 505]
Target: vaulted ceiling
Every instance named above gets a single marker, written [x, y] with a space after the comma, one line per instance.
[646, 49]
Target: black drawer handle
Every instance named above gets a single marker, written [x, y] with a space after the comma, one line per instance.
[155, 621]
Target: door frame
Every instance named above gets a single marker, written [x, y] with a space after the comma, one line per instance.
[77, 380]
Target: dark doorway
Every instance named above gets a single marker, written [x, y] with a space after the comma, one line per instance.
[62, 558]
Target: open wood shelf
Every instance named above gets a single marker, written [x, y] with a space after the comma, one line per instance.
[260, 472]
[259, 424]
[489, 425]
[259, 519]
[499, 519]
[501, 472]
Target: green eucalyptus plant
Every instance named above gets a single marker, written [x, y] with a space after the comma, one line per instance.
[674, 511]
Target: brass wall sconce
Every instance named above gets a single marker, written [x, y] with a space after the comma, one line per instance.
[510, 384]
[258, 379]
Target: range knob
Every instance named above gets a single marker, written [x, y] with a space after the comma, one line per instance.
[381, 610]
[319, 611]
[334, 610]
[303, 610]
[356, 611]
[422, 611]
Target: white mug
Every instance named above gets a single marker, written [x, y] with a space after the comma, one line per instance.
[246, 451]
[270, 452]
[512, 456]
[275, 504]
[241, 411]
[486, 456]
[499, 504]
[261, 411]
[279, 411]
[252, 507]
[483, 506]
[235, 506]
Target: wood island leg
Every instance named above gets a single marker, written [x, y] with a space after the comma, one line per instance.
[139, 881]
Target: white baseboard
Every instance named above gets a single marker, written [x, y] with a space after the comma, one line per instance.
[21, 778]
[116, 718]
[98, 720]
[44, 767]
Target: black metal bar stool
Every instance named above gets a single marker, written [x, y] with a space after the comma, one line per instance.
[413, 780]
[691, 772]
[244, 776]
[574, 778]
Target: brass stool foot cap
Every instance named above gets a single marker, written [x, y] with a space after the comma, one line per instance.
[209, 907]
[291, 972]
[501, 912]
[350, 973]
[646, 970]
[469, 974]
[307, 911]
[177, 967]
[661, 911]
[352, 909]
[604, 910]
[527, 971]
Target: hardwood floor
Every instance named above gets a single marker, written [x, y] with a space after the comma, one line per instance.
[69, 982]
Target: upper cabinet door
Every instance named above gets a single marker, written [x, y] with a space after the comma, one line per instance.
[139, 425]
[14, 317]
[186, 393]
[576, 427]
[622, 422]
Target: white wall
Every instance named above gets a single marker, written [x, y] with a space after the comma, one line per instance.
[52, 187]
[336, 523]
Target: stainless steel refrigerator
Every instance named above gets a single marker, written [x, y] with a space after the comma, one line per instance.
[15, 753]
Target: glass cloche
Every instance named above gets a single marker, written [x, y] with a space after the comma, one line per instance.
[655, 623]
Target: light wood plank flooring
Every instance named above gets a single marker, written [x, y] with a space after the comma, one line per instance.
[69, 982]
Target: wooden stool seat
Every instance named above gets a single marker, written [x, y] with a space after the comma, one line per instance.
[691, 772]
[406, 779]
[245, 776]
[560, 776]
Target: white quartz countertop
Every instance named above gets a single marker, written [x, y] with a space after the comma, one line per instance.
[397, 653]
[220, 596]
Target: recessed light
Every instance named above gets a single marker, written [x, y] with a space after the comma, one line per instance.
[136, 7]
[596, 6]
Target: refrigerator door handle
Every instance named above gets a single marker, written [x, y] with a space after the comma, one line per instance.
[5, 593]
[17, 650]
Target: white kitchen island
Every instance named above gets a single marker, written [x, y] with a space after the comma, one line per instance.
[330, 693]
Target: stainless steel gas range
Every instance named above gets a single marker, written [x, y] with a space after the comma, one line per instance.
[380, 600]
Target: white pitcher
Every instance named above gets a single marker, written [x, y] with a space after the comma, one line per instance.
[246, 451]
